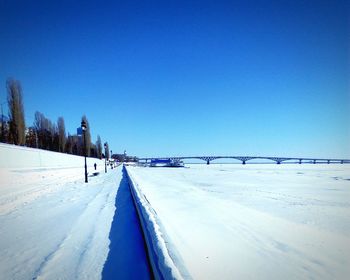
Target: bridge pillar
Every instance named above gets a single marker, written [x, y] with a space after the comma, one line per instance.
[341, 161]
[243, 161]
[314, 161]
[299, 161]
[278, 162]
[328, 161]
[208, 161]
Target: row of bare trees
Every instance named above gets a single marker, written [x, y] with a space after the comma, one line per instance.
[43, 134]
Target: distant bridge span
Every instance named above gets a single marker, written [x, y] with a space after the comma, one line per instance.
[244, 159]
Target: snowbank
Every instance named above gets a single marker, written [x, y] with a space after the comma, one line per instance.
[162, 262]
[12, 156]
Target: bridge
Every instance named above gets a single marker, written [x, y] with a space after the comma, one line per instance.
[244, 159]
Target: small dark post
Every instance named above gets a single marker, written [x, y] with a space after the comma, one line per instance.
[328, 161]
[243, 161]
[314, 161]
[208, 162]
[105, 145]
[299, 161]
[2, 137]
[112, 158]
[83, 127]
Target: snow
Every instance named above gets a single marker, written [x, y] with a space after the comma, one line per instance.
[221, 221]
[55, 226]
[164, 266]
[22, 157]
[255, 221]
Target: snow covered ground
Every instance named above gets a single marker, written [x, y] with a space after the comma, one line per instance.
[223, 221]
[55, 226]
[255, 221]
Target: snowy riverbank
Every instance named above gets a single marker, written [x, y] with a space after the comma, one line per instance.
[55, 226]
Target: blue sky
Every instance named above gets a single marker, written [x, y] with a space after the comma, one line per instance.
[186, 77]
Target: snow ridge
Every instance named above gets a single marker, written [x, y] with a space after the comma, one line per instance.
[162, 263]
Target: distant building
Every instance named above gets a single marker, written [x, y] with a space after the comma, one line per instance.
[124, 158]
[79, 131]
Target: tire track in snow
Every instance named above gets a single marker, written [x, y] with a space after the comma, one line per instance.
[80, 269]
[46, 259]
[79, 240]
[50, 258]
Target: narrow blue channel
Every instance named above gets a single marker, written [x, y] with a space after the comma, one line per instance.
[127, 258]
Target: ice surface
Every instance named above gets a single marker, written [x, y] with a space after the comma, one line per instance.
[253, 221]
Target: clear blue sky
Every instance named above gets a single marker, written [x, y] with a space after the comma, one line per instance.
[164, 78]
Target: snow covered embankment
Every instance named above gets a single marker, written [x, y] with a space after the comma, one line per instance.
[13, 156]
[162, 262]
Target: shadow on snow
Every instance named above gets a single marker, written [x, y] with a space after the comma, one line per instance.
[127, 257]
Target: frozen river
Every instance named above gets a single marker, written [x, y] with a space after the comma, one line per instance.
[251, 222]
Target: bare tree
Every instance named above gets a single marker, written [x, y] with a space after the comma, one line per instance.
[47, 133]
[55, 138]
[74, 145]
[16, 112]
[99, 147]
[31, 138]
[61, 135]
[69, 144]
[4, 130]
[39, 123]
[93, 150]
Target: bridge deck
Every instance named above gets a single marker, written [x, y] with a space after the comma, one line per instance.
[244, 159]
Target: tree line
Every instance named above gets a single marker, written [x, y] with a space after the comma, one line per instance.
[43, 134]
